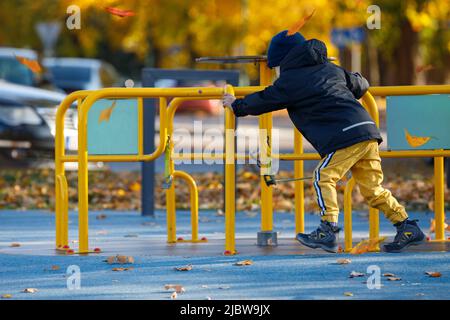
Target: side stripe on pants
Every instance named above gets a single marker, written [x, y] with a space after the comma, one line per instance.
[316, 184]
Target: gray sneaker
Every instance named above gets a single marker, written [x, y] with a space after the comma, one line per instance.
[324, 237]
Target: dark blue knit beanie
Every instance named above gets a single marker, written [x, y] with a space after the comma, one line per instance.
[280, 46]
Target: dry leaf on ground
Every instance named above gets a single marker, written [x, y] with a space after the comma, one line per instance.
[394, 278]
[174, 295]
[244, 263]
[6, 296]
[119, 259]
[343, 261]
[122, 269]
[185, 268]
[355, 274]
[177, 287]
[348, 294]
[30, 290]
[433, 274]
[15, 245]
[388, 274]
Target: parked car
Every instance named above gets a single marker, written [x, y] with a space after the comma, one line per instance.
[72, 74]
[24, 134]
[45, 103]
[12, 70]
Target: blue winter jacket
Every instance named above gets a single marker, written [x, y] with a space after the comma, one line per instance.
[320, 97]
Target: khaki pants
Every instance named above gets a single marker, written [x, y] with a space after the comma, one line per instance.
[364, 162]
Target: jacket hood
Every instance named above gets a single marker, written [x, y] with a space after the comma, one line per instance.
[308, 53]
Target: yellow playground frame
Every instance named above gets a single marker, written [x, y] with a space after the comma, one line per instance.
[85, 100]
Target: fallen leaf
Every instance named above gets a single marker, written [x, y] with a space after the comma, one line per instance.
[244, 263]
[299, 24]
[343, 261]
[119, 12]
[348, 294]
[367, 245]
[30, 290]
[433, 274]
[6, 296]
[388, 275]
[33, 65]
[122, 269]
[174, 295]
[177, 287]
[355, 274]
[185, 268]
[394, 279]
[119, 259]
[15, 245]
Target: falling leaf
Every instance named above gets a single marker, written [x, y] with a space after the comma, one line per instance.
[177, 287]
[343, 261]
[6, 296]
[30, 290]
[433, 274]
[394, 278]
[367, 245]
[348, 294]
[105, 115]
[355, 274]
[15, 245]
[424, 68]
[415, 141]
[244, 263]
[33, 65]
[299, 24]
[185, 268]
[174, 295]
[119, 12]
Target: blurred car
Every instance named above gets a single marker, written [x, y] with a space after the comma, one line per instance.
[12, 70]
[24, 134]
[72, 74]
[45, 103]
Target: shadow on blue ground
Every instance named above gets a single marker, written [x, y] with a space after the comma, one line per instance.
[270, 277]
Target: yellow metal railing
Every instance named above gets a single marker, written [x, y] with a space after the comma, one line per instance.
[86, 99]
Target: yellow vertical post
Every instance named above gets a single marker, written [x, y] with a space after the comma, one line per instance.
[348, 241]
[439, 211]
[170, 192]
[83, 198]
[229, 177]
[299, 184]
[265, 127]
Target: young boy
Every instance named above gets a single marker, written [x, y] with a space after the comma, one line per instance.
[321, 99]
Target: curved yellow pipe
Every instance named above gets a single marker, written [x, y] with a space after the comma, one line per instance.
[194, 201]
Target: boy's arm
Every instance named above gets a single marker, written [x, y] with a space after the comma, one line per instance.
[270, 99]
[357, 84]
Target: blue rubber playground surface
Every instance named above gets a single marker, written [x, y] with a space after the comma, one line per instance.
[288, 271]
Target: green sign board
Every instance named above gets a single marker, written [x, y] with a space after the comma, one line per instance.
[419, 122]
[113, 127]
